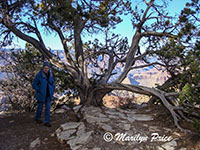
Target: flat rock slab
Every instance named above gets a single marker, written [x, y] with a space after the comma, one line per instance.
[70, 125]
[35, 143]
[106, 128]
[78, 135]
[74, 134]
[141, 117]
[93, 119]
[77, 108]
[169, 145]
[80, 139]
[65, 135]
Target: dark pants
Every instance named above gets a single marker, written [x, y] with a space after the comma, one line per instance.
[47, 110]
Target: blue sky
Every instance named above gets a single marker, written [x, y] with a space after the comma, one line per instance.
[124, 29]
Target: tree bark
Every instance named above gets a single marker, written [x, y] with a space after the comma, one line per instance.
[93, 95]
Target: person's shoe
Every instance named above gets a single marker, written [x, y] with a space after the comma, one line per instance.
[38, 121]
[47, 124]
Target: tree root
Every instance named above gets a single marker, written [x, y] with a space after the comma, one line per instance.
[176, 111]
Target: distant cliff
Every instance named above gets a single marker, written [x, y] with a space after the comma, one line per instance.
[148, 76]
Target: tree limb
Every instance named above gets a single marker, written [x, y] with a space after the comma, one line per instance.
[145, 13]
[10, 25]
[147, 65]
[158, 34]
[64, 43]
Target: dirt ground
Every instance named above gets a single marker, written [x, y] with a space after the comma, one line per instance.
[17, 131]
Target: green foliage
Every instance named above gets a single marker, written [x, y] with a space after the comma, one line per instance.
[186, 92]
[25, 65]
[183, 62]
[196, 124]
[67, 13]
[71, 104]
[27, 62]
[185, 75]
[189, 22]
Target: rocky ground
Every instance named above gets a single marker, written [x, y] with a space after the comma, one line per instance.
[99, 129]
[20, 132]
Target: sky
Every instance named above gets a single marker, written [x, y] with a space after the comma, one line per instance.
[124, 29]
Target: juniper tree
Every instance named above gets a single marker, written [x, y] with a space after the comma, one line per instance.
[153, 28]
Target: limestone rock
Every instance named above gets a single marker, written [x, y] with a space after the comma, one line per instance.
[126, 111]
[77, 108]
[80, 139]
[53, 135]
[110, 112]
[122, 121]
[159, 148]
[35, 143]
[65, 135]
[113, 117]
[127, 127]
[141, 117]
[81, 129]
[78, 135]
[76, 147]
[167, 129]
[176, 133]
[145, 125]
[170, 145]
[115, 114]
[96, 148]
[92, 119]
[107, 128]
[91, 109]
[131, 120]
[57, 132]
[74, 134]
[153, 129]
[70, 125]
[57, 111]
[98, 114]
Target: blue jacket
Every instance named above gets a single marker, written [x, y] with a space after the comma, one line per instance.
[40, 85]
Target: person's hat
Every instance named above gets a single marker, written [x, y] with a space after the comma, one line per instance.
[46, 63]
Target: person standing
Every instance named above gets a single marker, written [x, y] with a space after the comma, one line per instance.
[44, 86]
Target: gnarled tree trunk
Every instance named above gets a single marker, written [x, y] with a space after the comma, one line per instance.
[93, 96]
[151, 23]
